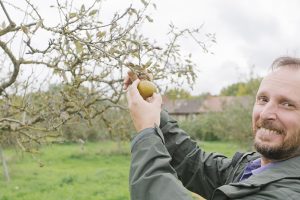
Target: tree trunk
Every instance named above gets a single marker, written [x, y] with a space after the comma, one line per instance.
[5, 168]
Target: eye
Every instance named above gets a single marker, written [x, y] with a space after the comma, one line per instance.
[287, 104]
[262, 99]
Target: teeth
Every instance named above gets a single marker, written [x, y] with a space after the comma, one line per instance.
[269, 131]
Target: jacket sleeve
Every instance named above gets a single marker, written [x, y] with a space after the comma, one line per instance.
[151, 175]
[199, 171]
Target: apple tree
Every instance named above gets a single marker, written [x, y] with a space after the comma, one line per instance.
[84, 56]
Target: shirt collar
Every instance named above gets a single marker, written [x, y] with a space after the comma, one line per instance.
[262, 168]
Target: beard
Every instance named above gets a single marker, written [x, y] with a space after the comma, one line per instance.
[275, 152]
[288, 148]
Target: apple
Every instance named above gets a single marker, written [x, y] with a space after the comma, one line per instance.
[146, 88]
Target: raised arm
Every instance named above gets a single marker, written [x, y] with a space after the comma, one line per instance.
[151, 175]
[163, 153]
[199, 171]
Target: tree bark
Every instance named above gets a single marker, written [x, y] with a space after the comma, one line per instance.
[5, 168]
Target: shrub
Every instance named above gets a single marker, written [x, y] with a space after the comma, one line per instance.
[233, 124]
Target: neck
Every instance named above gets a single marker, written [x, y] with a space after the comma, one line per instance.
[265, 161]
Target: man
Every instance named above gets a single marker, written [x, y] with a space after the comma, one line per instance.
[166, 162]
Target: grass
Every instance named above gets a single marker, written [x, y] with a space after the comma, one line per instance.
[225, 148]
[66, 172]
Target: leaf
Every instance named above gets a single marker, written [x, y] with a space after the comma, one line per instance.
[124, 43]
[154, 6]
[56, 71]
[148, 64]
[136, 54]
[144, 2]
[113, 26]
[88, 35]
[24, 29]
[38, 25]
[149, 18]
[79, 47]
[101, 34]
[72, 15]
[82, 9]
[93, 12]
[132, 10]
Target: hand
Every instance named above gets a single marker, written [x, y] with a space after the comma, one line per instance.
[131, 76]
[144, 113]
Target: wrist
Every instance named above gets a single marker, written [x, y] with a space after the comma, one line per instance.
[145, 126]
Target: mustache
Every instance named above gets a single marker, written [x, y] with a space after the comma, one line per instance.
[269, 125]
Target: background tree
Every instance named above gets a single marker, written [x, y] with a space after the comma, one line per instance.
[85, 56]
[248, 87]
[177, 93]
[242, 88]
[234, 122]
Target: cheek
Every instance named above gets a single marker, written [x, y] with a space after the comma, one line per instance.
[291, 125]
[289, 120]
[255, 114]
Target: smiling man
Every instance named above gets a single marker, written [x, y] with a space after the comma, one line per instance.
[276, 113]
[166, 162]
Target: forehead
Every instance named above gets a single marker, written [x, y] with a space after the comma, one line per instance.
[283, 81]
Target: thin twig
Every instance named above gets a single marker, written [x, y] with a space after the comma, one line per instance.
[8, 18]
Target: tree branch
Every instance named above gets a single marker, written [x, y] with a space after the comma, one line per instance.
[8, 18]
[16, 64]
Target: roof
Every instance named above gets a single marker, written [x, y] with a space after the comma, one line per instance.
[182, 106]
[198, 106]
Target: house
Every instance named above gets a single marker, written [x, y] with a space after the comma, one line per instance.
[190, 108]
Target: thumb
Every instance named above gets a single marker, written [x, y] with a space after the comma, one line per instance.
[133, 93]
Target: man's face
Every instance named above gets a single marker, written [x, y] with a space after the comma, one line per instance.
[276, 115]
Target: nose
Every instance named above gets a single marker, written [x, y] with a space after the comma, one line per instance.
[269, 111]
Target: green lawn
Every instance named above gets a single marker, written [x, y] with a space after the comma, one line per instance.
[65, 172]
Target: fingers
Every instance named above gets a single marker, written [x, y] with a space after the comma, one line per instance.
[157, 99]
[133, 86]
[131, 76]
[126, 82]
[133, 94]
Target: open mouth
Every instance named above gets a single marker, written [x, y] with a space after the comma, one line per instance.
[265, 134]
[269, 131]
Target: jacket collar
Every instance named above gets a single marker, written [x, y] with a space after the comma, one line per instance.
[286, 169]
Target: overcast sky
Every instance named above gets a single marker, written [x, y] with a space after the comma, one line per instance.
[248, 32]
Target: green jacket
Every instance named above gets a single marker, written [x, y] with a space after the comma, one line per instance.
[166, 163]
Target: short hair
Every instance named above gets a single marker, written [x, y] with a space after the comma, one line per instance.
[286, 61]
